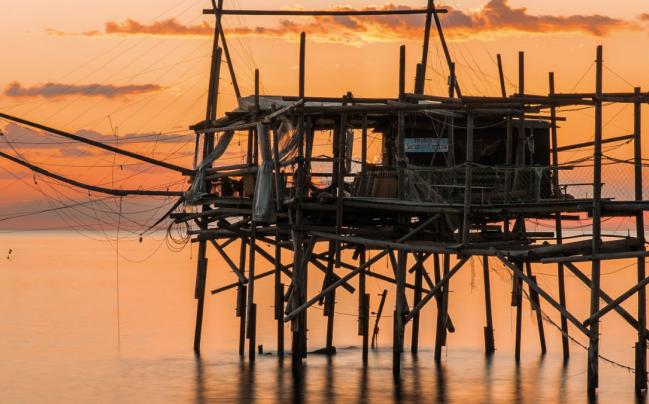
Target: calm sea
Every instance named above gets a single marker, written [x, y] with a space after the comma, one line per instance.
[61, 341]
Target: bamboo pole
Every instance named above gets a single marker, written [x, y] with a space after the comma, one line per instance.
[440, 332]
[593, 346]
[518, 285]
[251, 331]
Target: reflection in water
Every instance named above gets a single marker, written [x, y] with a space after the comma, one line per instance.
[55, 310]
[441, 382]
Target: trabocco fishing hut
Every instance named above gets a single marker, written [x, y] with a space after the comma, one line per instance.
[458, 176]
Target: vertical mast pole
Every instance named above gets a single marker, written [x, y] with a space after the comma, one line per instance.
[641, 348]
[593, 346]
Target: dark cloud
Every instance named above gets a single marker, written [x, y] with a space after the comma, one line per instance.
[496, 17]
[643, 17]
[49, 90]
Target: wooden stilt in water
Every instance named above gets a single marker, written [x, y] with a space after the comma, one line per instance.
[252, 324]
[400, 312]
[442, 312]
[396, 352]
[489, 344]
[641, 346]
[593, 346]
[242, 296]
[199, 294]
[536, 306]
[366, 328]
[330, 307]
[518, 285]
[252, 331]
[419, 277]
[279, 300]
[565, 342]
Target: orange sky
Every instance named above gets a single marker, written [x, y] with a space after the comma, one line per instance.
[144, 66]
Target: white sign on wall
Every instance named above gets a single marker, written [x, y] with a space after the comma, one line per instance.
[426, 145]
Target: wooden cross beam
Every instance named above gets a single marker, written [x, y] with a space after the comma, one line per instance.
[541, 292]
[616, 302]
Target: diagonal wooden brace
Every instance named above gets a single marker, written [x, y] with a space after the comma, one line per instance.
[541, 292]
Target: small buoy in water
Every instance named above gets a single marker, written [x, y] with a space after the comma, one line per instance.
[10, 250]
[140, 239]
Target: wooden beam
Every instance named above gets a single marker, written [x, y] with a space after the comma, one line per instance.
[324, 12]
[594, 317]
[184, 171]
[590, 144]
[541, 292]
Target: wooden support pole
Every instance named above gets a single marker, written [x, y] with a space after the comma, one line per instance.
[375, 332]
[363, 185]
[501, 74]
[401, 153]
[541, 292]
[252, 333]
[242, 298]
[342, 143]
[468, 181]
[490, 346]
[593, 346]
[437, 288]
[565, 342]
[251, 283]
[366, 328]
[279, 300]
[199, 294]
[420, 83]
[396, 352]
[330, 310]
[641, 350]
[255, 118]
[361, 293]
[400, 324]
[451, 128]
[355, 272]
[606, 298]
[235, 85]
[298, 326]
[440, 32]
[522, 139]
[442, 312]
[519, 313]
[419, 278]
[278, 177]
[595, 316]
[536, 306]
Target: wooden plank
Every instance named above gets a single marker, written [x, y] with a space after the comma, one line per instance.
[325, 12]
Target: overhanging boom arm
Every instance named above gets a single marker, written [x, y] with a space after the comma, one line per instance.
[184, 171]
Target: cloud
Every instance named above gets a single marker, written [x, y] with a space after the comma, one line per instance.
[495, 18]
[49, 90]
[643, 17]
